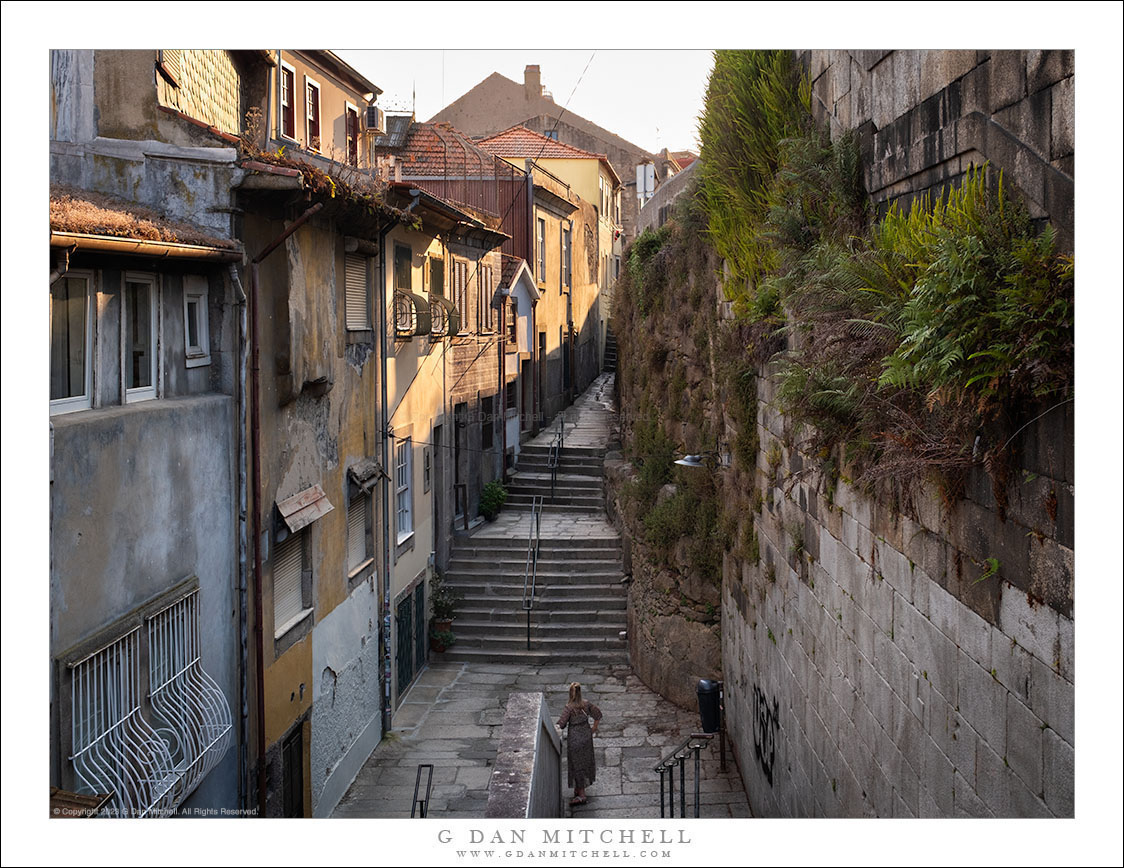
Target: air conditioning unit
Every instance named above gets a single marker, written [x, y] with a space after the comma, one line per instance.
[374, 121]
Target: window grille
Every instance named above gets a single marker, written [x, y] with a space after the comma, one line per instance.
[404, 322]
[115, 750]
[149, 757]
[193, 714]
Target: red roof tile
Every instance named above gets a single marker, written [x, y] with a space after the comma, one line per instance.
[518, 141]
[440, 149]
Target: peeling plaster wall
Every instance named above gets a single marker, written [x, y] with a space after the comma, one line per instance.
[346, 699]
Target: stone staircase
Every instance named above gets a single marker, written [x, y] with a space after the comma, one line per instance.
[610, 363]
[579, 487]
[579, 602]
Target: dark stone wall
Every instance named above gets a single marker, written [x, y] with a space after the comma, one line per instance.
[924, 117]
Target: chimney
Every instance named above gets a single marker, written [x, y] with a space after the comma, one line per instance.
[532, 81]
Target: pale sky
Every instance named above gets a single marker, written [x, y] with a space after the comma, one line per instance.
[651, 98]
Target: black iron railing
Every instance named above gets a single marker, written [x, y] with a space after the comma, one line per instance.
[420, 807]
[530, 571]
[678, 758]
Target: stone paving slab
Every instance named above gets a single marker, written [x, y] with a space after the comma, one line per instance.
[463, 750]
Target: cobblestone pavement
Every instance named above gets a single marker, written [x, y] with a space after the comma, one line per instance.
[452, 718]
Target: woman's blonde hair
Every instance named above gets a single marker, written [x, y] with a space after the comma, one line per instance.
[575, 693]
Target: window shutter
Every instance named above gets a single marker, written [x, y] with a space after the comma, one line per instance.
[288, 601]
[171, 64]
[358, 312]
[356, 532]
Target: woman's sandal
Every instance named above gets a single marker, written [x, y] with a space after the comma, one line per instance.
[574, 802]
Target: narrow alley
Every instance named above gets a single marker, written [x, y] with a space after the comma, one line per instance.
[452, 716]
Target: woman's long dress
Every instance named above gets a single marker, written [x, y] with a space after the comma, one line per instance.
[581, 769]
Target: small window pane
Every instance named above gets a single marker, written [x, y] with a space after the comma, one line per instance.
[68, 337]
[139, 350]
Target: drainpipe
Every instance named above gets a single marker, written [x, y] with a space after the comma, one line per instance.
[62, 264]
[503, 392]
[255, 481]
[243, 543]
[384, 425]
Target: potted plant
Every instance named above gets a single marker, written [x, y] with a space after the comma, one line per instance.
[492, 498]
[439, 640]
[443, 603]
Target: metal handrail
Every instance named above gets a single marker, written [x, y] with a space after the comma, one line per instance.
[531, 569]
[422, 805]
[666, 766]
[554, 456]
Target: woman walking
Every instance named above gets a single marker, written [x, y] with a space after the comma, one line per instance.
[581, 768]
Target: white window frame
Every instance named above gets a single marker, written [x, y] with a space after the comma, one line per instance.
[403, 505]
[85, 400]
[304, 585]
[310, 82]
[541, 249]
[357, 320]
[291, 135]
[359, 511]
[485, 287]
[567, 234]
[195, 290]
[141, 393]
[349, 107]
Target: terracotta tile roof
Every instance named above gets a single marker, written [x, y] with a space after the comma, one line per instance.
[89, 213]
[683, 158]
[426, 149]
[518, 141]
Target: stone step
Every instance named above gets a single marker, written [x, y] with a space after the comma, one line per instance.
[549, 562]
[577, 453]
[563, 482]
[538, 657]
[540, 614]
[541, 640]
[540, 466]
[473, 632]
[548, 546]
[491, 590]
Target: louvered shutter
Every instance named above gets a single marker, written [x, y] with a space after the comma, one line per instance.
[287, 596]
[356, 532]
[358, 312]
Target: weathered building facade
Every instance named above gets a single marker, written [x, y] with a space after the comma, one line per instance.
[145, 638]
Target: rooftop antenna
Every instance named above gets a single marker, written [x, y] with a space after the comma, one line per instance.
[414, 99]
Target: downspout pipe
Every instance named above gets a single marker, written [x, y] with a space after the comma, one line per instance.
[255, 481]
[384, 439]
[62, 264]
[243, 543]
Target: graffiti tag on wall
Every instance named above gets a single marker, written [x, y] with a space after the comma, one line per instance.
[766, 722]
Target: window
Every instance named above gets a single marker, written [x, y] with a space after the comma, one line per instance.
[542, 250]
[427, 468]
[357, 309]
[460, 289]
[351, 123]
[71, 342]
[484, 288]
[288, 110]
[149, 755]
[197, 339]
[512, 395]
[139, 337]
[292, 583]
[566, 257]
[360, 552]
[403, 270]
[403, 506]
[312, 104]
[436, 275]
[512, 321]
[487, 423]
[552, 134]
